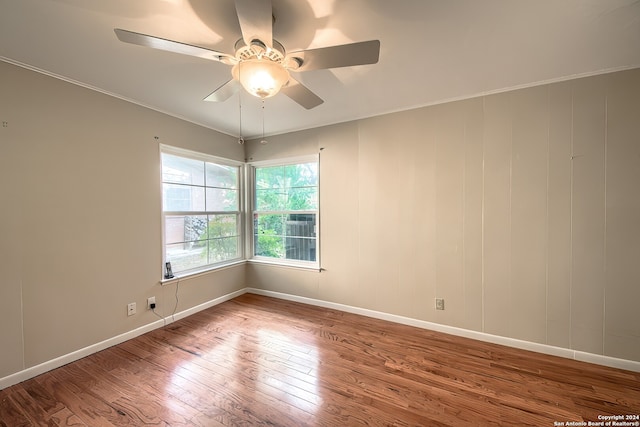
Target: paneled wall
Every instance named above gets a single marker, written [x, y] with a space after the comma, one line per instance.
[80, 233]
[520, 209]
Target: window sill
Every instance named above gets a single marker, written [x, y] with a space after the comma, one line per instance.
[198, 273]
[281, 264]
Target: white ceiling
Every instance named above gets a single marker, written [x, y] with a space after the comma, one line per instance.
[432, 51]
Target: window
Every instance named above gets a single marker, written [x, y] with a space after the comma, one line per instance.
[285, 211]
[201, 210]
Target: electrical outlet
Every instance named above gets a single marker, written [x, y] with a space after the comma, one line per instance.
[439, 303]
[150, 300]
[131, 309]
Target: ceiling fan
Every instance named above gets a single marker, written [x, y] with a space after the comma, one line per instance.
[260, 63]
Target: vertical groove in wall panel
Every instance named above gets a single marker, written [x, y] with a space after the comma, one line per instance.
[604, 212]
[546, 261]
[406, 180]
[429, 226]
[588, 214]
[473, 151]
[388, 209]
[559, 216]
[422, 229]
[449, 214]
[410, 183]
[622, 304]
[528, 213]
[366, 219]
[497, 204]
[571, 227]
[482, 213]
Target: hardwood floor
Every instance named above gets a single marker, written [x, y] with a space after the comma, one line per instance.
[261, 361]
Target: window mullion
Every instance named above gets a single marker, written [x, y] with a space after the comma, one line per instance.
[307, 212]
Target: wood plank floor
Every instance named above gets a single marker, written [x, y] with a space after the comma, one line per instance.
[261, 361]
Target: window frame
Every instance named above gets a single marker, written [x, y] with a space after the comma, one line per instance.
[251, 212]
[240, 212]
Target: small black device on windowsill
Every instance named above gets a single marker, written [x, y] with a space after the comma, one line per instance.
[168, 271]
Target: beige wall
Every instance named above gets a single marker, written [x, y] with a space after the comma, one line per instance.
[80, 222]
[521, 209]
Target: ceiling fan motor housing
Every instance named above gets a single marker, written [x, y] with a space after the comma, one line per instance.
[257, 49]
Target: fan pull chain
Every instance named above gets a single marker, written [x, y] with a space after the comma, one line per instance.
[240, 138]
[263, 141]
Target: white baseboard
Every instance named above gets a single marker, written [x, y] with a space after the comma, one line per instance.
[33, 371]
[86, 351]
[598, 359]
[204, 306]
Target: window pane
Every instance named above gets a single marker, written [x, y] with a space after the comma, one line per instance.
[269, 224]
[271, 200]
[182, 170]
[222, 199]
[269, 244]
[221, 176]
[302, 175]
[302, 199]
[223, 226]
[299, 248]
[272, 177]
[179, 229]
[202, 187]
[301, 225]
[286, 189]
[182, 198]
[185, 256]
[222, 249]
[268, 237]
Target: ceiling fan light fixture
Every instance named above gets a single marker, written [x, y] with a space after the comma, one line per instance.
[260, 63]
[261, 77]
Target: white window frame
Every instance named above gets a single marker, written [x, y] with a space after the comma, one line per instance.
[241, 216]
[251, 210]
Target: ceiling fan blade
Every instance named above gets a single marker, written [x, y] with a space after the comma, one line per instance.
[346, 55]
[170, 45]
[256, 21]
[224, 92]
[301, 94]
